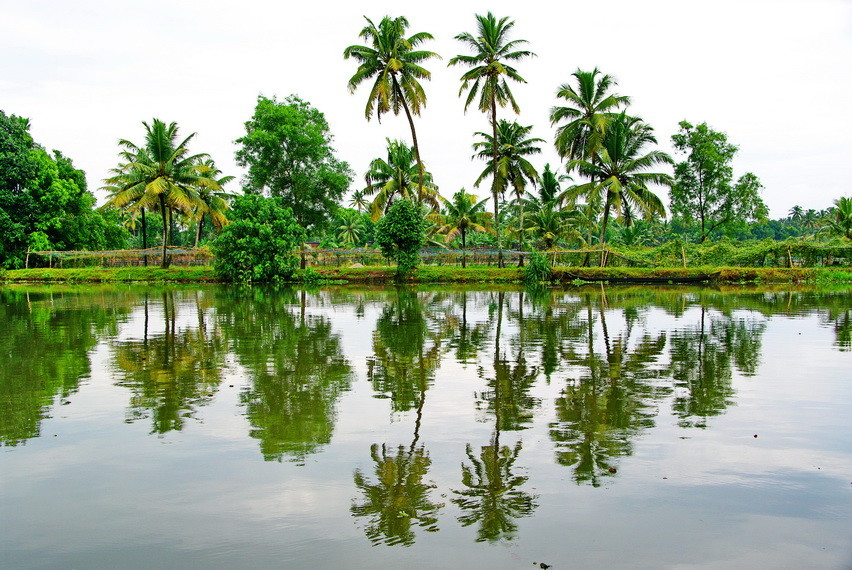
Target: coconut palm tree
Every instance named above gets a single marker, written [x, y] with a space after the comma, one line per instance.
[350, 228]
[394, 62]
[619, 174]
[214, 204]
[461, 215]
[839, 220]
[395, 177]
[160, 173]
[358, 201]
[490, 66]
[588, 111]
[513, 170]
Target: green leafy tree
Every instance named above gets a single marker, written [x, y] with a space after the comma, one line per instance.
[287, 149]
[703, 188]
[490, 67]
[159, 174]
[513, 170]
[44, 201]
[395, 62]
[259, 242]
[461, 215]
[400, 235]
[394, 177]
[619, 174]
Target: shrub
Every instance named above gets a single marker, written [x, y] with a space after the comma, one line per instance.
[400, 234]
[259, 242]
[538, 269]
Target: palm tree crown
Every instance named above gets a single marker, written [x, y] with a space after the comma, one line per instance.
[394, 62]
[395, 177]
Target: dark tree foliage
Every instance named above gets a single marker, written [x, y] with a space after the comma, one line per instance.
[44, 202]
[400, 234]
[258, 244]
[287, 149]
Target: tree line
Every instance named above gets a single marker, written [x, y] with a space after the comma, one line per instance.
[606, 189]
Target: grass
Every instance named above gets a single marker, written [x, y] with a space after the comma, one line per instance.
[433, 274]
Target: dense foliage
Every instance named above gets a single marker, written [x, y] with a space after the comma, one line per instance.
[259, 242]
[44, 202]
[400, 235]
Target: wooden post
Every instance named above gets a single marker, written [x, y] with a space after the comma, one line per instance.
[789, 258]
[683, 255]
[27, 260]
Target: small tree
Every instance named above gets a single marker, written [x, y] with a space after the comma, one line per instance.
[400, 234]
[259, 243]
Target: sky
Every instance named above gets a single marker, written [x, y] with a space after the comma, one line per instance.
[775, 75]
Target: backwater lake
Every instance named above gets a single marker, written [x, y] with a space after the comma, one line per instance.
[431, 427]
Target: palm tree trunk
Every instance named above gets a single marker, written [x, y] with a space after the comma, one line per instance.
[494, 178]
[521, 230]
[198, 231]
[463, 248]
[603, 230]
[413, 135]
[163, 264]
[144, 237]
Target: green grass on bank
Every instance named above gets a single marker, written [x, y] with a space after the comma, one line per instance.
[438, 274]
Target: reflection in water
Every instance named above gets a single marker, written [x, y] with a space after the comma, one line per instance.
[297, 369]
[610, 401]
[45, 340]
[400, 498]
[702, 361]
[170, 374]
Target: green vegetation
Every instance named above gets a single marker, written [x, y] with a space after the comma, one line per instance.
[400, 235]
[258, 244]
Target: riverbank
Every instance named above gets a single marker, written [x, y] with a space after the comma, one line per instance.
[444, 274]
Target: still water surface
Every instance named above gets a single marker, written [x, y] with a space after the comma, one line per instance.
[444, 427]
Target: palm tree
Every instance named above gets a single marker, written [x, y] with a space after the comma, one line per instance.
[350, 228]
[549, 223]
[358, 201]
[512, 168]
[492, 52]
[550, 184]
[395, 177]
[463, 214]
[395, 63]
[213, 204]
[589, 110]
[839, 220]
[619, 174]
[159, 173]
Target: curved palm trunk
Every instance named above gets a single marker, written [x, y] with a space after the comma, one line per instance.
[198, 230]
[494, 179]
[603, 229]
[144, 237]
[413, 136]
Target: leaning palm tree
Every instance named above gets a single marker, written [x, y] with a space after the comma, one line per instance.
[619, 174]
[394, 177]
[160, 173]
[394, 62]
[588, 111]
[461, 215]
[513, 169]
[492, 53]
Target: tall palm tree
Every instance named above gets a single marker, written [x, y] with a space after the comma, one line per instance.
[395, 177]
[588, 111]
[463, 214]
[492, 53]
[619, 174]
[213, 204]
[160, 173]
[393, 61]
[513, 170]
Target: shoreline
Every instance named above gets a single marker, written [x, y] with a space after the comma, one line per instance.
[443, 274]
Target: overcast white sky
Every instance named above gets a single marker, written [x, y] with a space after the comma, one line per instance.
[775, 75]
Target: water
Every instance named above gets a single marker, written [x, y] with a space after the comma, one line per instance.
[443, 427]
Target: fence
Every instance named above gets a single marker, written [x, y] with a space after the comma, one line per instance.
[120, 257]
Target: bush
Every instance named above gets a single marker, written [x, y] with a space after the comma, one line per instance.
[259, 242]
[400, 234]
[538, 269]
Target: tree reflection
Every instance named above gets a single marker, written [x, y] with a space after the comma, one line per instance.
[45, 340]
[702, 361]
[609, 402]
[170, 374]
[492, 496]
[297, 370]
